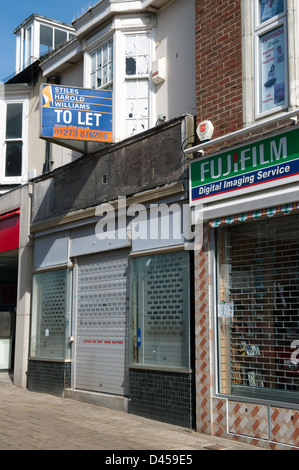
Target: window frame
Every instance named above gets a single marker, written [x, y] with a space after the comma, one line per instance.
[37, 318]
[24, 139]
[139, 334]
[247, 392]
[137, 78]
[93, 52]
[259, 30]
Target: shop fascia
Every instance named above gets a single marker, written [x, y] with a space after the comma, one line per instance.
[173, 222]
[267, 161]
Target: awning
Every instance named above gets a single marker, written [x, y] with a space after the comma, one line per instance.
[285, 209]
[9, 231]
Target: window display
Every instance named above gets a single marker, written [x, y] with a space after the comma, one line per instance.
[258, 309]
[160, 310]
[51, 314]
[271, 56]
[270, 8]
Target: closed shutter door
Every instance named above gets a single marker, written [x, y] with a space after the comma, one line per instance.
[102, 313]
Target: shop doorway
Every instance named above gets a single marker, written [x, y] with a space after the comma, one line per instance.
[102, 323]
[8, 301]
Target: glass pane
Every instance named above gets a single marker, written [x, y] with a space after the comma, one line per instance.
[99, 58]
[161, 294]
[60, 37]
[131, 127]
[143, 65]
[270, 8]
[143, 88]
[46, 39]
[13, 163]
[130, 66]
[105, 74]
[93, 80]
[143, 45]
[28, 45]
[258, 290]
[99, 78]
[93, 63]
[110, 72]
[142, 125]
[272, 69]
[131, 89]
[131, 45]
[143, 108]
[131, 109]
[51, 314]
[14, 119]
[110, 51]
[105, 55]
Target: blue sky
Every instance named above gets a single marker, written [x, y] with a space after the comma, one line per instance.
[13, 12]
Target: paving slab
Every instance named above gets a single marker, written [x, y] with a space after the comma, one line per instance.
[37, 421]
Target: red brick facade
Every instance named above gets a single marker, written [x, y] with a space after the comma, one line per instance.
[219, 95]
[219, 64]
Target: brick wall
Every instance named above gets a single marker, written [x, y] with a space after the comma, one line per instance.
[219, 64]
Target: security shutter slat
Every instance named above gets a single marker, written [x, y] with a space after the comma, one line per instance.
[102, 310]
[258, 271]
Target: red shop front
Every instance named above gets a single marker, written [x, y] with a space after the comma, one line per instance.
[9, 244]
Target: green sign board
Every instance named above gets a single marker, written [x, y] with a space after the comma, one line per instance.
[258, 165]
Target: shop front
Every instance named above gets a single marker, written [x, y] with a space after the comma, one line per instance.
[9, 247]
[249, 200]
[111, 309]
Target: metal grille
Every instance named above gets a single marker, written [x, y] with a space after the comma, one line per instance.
[164, 296]
[163, 308]
[53, 302]
[102, 323]
[51, 308]
[259, 272]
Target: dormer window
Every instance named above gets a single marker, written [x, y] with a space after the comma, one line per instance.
[38, 36]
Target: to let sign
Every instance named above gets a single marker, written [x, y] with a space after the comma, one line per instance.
[76, 113]
[258, 165]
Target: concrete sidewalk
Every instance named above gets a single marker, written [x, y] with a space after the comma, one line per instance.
[34, 421]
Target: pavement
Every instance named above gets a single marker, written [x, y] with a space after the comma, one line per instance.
[37, 421]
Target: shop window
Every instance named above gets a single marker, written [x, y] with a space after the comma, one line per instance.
[160, 310]
[258, 309]
[102, 67]
[13, 140]
[271, 56]
[137, 83]
[51, 313]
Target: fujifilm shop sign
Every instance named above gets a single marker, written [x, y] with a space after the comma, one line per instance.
[259, 165]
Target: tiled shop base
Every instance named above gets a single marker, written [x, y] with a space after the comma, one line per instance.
[262, 425]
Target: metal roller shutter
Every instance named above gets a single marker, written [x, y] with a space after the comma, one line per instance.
[102, 313]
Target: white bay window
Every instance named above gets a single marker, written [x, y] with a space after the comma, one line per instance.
[137, 83]
[120, 59]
